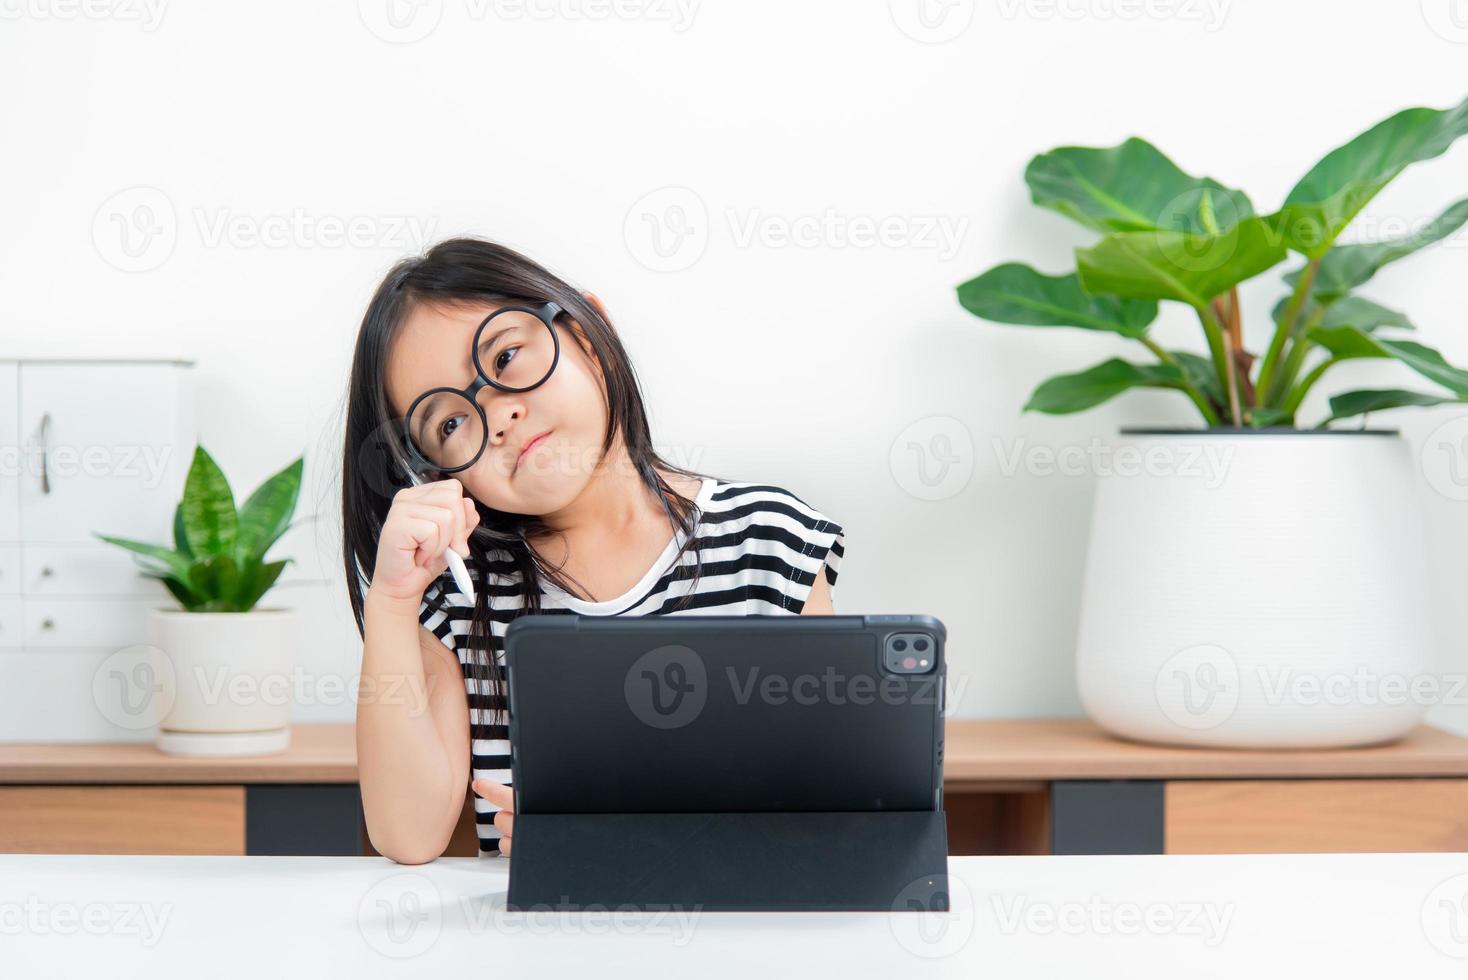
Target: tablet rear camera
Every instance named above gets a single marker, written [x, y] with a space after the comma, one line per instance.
[900, 660]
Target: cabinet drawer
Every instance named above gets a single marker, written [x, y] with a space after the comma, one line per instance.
[9, 570]
[110, 623]
[12, 622]
[12, 463]
[85, 570]
[122, 819]
[1316, 815]
[112, 444]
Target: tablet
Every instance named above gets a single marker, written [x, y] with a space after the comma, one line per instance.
[741, 762]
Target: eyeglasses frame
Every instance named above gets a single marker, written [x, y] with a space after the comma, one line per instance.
[546, 312]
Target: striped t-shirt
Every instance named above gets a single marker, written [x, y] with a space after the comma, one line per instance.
[761, 548]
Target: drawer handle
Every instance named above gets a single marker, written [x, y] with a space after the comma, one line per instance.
[48, 624]
[45, 435]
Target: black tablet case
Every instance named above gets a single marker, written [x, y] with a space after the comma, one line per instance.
[774, 794]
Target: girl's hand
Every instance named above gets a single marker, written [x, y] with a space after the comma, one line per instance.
[503, 797]
[422, 523]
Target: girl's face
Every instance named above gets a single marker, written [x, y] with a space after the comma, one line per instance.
[431, 350]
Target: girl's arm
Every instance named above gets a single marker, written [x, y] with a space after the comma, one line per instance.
[412, 735]
[412, 709]
[818, 603]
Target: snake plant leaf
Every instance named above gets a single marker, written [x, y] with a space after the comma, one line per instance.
[1335, 190]
[210, 521]
[180, 592]
[1131, 187]
[180, 535]
[171, 562]
[1016, 293]
[1351, 311]
[1175, 265]
[1349, 343]
[256, 580]
[216, 579]
[1345, 267]
[267, 513]
[1352, 403]
[1068, 393]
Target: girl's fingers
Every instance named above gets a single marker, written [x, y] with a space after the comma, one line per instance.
[438, 529]
[499, 794]
[504, 822]
[425, 531]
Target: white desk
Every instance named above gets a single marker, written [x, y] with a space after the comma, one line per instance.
[1237, 917]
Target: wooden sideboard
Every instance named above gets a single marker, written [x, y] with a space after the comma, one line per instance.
[1011, 787]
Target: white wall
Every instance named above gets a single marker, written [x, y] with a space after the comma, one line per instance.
[762, 359]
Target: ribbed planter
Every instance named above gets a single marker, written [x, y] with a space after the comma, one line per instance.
[1261, 589]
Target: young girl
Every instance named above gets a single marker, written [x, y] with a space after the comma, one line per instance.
[510, 394]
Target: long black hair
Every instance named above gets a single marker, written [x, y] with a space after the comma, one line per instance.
[375, 463]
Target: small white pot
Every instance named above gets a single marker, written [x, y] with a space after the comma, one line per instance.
[225, 680]
[1257, 589]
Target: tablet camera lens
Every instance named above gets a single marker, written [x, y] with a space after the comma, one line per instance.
[909, 653]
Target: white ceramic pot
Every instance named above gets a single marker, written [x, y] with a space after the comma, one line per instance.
[1257, 589]
[225, 680]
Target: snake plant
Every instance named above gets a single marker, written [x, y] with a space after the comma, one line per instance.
[217, 562]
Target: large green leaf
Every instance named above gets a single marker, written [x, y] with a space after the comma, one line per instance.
[210, 521]
[1131, 187]
[1351, 311]
[1335, 190]
[1068, 393]
[1351, 403]
[1016, 293]
[265, 516]
[1173, 265]
[1346, 343]
[1345, 267]
[1203, 374]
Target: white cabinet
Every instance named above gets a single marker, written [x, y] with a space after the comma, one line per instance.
[10, 457]
[85, 446]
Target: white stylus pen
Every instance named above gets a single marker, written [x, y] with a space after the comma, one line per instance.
[456, 563]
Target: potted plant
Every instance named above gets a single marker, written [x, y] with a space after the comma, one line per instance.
[1277, 599]
[222, 661]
